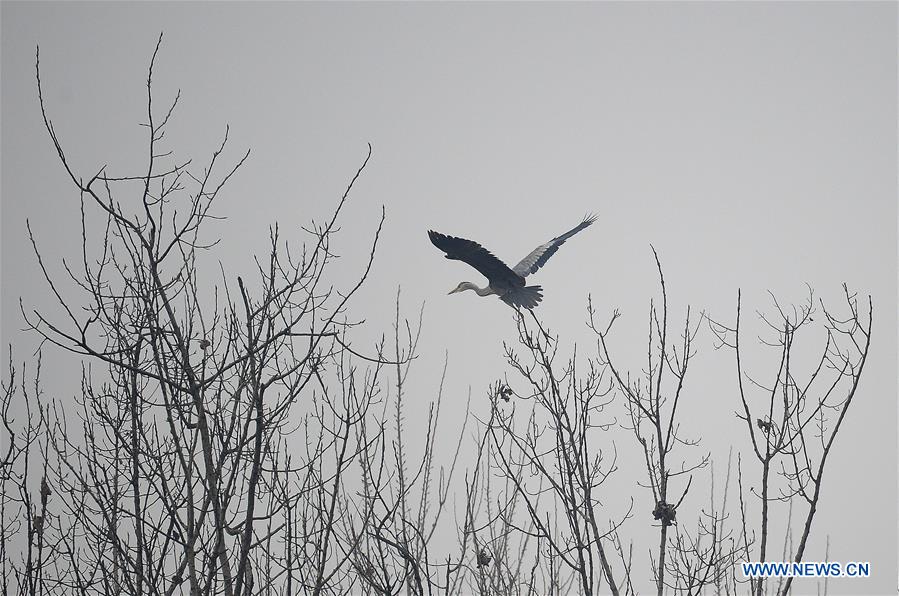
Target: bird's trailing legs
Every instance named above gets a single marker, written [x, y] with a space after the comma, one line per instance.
[536, 320]
[546, 335]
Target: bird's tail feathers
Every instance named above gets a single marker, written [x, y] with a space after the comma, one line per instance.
[526, 297]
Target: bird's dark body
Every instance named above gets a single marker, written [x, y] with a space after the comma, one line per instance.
[505, 282]
[469, 251]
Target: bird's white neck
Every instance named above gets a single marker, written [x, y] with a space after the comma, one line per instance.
[467, 285]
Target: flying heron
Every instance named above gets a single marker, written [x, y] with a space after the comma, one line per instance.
[506, 283]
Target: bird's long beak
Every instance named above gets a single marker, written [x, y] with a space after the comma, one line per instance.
[453, 291]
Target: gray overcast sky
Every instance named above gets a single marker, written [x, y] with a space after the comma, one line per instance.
[753, 144]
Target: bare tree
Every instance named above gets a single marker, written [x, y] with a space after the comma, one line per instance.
[181, 475]
[691, 560]
[228, 436]
[499, 546]
[402, 498]
[23, 500]
[793, 417]
[551, 458]
[212, 444]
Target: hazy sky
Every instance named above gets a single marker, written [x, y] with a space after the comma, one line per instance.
[752, 144]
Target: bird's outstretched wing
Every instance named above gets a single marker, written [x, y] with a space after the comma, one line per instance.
[538, 257]
[475, 255]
